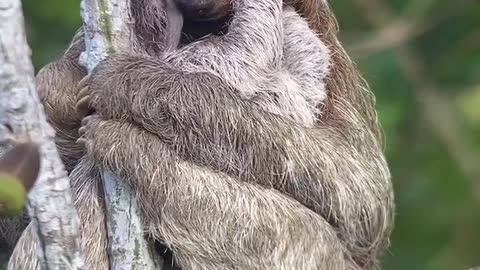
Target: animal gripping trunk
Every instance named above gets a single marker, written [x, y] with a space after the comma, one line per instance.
[23, 119]
[106, 31]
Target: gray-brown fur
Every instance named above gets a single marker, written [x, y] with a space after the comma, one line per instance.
[225, 178]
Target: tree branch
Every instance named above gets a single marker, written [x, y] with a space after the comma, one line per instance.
[107, 31]
[23, 119]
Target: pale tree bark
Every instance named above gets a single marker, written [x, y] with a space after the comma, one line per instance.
[22, 119]
[107, 31]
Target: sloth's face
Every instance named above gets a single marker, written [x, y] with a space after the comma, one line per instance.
[204, 10]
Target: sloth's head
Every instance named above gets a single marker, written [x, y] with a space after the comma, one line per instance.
[204, 10]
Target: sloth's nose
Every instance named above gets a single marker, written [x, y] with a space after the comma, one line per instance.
[196, 9]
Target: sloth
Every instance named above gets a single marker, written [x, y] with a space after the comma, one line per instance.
[257, 148]
[286, 78]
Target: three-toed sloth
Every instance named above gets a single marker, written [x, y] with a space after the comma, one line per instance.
[254, 147]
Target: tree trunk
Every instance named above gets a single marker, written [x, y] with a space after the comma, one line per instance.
[22, 119]
[106, 31]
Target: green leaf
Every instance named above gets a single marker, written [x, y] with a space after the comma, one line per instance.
[22, 163]
[12, 195]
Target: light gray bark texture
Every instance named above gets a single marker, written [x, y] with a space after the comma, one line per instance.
[22, 119]
[106, 24]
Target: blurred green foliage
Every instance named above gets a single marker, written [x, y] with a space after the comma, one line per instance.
[422, 60]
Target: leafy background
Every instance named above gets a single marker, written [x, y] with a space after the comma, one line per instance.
[422, 60]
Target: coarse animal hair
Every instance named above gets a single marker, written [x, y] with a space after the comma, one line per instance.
[258, 149]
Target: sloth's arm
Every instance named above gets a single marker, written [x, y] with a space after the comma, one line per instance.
[57, 88]
[209, 219]
[336, 169]
[250, 50]
[305, 57]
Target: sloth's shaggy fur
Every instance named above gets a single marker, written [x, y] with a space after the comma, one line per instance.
[259, 149]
